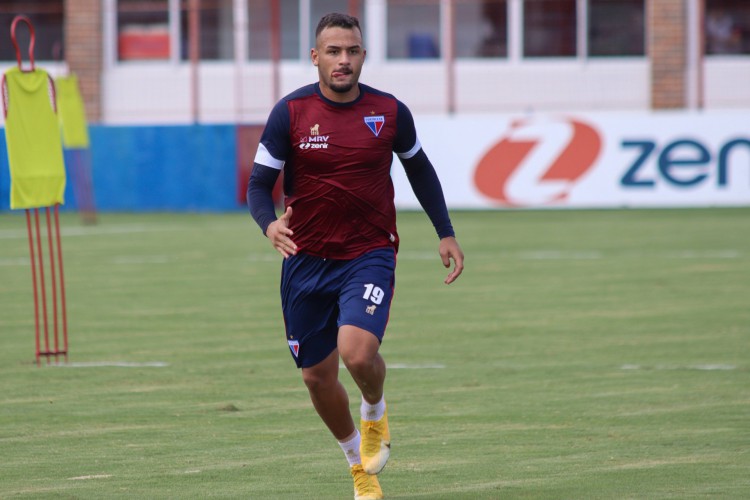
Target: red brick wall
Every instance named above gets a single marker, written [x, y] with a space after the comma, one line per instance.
[83, 50]
[667, 21]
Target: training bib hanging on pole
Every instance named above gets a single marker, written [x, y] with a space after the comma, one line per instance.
[32, 133]
[37, 175]
[75, 141]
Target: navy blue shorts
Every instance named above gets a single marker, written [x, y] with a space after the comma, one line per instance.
[320, 295]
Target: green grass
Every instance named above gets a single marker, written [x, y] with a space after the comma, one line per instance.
[582, 355]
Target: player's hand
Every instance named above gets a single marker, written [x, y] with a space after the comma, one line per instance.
[449, 249]
[280, 235]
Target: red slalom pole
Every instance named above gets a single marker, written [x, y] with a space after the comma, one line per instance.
[33, 280]
[62, 284]
[42, 285]
[55, 329]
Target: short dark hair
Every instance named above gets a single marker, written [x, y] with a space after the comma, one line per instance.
[336, 19]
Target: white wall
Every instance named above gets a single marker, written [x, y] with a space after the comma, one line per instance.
[727, 82]
[161, 93]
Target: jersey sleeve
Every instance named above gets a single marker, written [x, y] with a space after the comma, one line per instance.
[260, 195]
[275, 142]
[406, 144]
[420, 173]
[426, 186]
[270, 157]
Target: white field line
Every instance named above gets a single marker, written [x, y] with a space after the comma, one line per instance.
[92, 476]
[18, 261]
[417, 366]
[410, 366]
[120, 260]
[116, 364]
[11, 234]
[706, 367]
[707, 254]
[560, 255]
[553, 254]
[141, 259]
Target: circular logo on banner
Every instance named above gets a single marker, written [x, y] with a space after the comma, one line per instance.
[537, 162]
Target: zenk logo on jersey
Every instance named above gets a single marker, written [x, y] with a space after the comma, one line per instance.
[375, 123]
[314, 140]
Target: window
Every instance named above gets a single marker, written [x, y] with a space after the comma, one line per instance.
[47, 18]
[215, 27]
[142, 30]
[727, 27]
[549, 28]
[616, 28]
[481, 28]
[413, 29]
[265, 25]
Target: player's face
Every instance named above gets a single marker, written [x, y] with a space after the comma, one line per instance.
[339, 56]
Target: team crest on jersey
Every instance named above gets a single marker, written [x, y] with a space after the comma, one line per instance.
[375, 123]
[294, 346]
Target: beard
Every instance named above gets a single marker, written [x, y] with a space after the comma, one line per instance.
[341, 88]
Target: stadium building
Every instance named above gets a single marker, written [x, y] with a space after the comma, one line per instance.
[178, 61]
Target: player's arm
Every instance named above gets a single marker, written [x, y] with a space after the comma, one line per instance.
[260, 203]
[260, 195]
[269, 160]
[426, 186]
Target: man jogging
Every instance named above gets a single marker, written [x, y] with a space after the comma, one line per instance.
[335, 140]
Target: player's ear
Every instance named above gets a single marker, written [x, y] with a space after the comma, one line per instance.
[314, 56]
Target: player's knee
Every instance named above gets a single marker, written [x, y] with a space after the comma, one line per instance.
[317, 380]
[358, 363]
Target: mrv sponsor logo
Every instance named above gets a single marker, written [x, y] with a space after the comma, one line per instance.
[314, 140]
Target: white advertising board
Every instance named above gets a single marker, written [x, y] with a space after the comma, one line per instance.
[587, 160]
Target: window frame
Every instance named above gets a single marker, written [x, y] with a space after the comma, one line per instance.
[44, 51]
[375, 15]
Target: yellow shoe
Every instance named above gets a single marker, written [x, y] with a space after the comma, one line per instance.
[375, 447]
[366, 487]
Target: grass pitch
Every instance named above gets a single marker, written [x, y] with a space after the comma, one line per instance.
[582, 354]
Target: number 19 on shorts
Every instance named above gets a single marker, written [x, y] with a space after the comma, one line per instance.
[373, 293]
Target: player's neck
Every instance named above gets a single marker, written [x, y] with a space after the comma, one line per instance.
[340, 97]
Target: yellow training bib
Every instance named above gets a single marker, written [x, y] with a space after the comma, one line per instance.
[71, 113]
[32, 134]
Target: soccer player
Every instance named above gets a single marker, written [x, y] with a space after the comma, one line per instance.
[335, 140]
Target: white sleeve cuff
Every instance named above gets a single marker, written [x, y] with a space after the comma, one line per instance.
[414, 150]
[264, 157]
